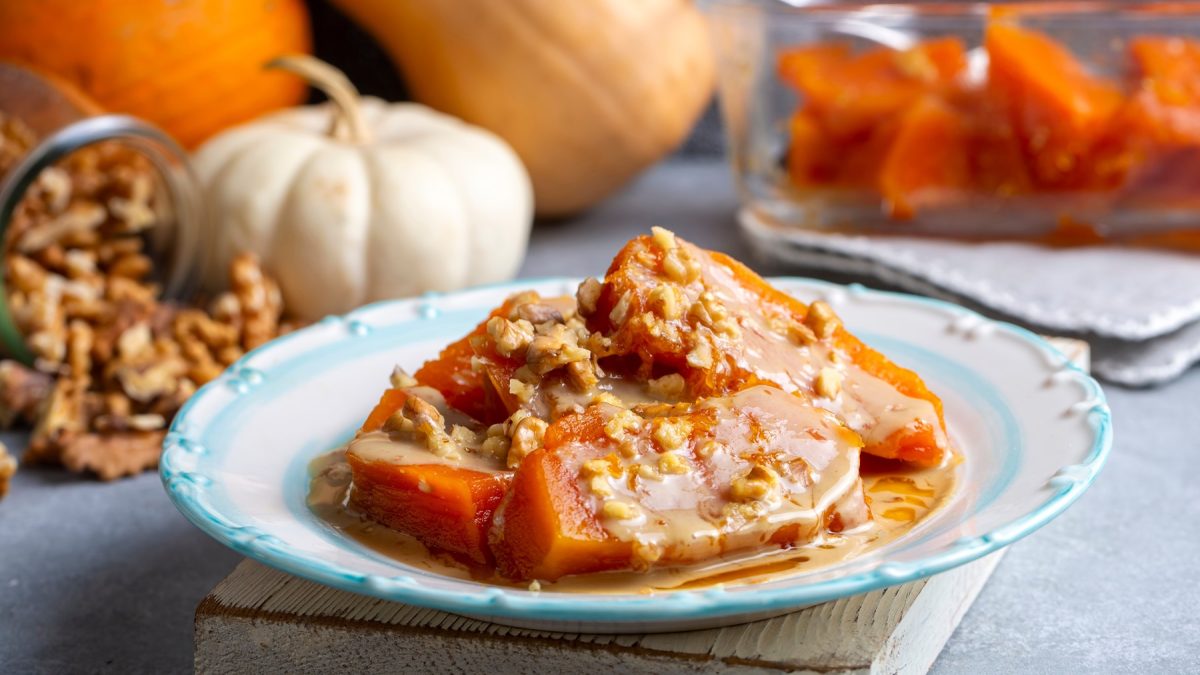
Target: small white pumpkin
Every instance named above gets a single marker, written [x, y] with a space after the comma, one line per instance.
[359, 200]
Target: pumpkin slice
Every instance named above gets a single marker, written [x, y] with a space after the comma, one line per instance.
[1059, 110]
[929, 162]
[624, 489]
[852, 94]
[1167, 69]
[1155, 137]
[445, 503]
[700, 315]
[811, 156]
[481, 394]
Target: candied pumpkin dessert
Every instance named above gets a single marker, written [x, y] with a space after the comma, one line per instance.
[1034, 125]
[679, 412]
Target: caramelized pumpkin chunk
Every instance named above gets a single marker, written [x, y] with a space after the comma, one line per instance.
[445, 508]
[443, 500]
[929, 160]
[1165, 107]
[615, 488]
[453, 374]
[853, 93]
[1059, 109]
[706, 317]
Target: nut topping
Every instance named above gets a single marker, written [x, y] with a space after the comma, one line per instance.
[821, 319]
[829, 383]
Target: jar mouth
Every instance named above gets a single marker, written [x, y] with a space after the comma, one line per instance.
[176, 241]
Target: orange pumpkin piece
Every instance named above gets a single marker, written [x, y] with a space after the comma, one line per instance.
[1168, 68]
[613, 489]
[929, 162]
[811, 157]
[851, 94]
[447, 508]
[997, 160]
[192, 67]
[466, 388]
[1059, 110]
[544, 528]
[756, 333]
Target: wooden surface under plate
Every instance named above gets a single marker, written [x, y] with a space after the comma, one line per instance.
[262, 620]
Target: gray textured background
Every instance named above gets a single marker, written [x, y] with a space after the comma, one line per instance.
[105, 577]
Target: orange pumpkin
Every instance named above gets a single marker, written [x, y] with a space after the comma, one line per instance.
[193, 67]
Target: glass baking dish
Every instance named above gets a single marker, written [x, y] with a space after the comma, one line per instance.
[1069, 123]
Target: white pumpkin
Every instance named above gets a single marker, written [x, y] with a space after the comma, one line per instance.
[360, 200]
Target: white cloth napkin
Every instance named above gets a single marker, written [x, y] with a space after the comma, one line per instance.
[1138, 308]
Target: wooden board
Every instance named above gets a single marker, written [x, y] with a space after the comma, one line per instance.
[262, 620]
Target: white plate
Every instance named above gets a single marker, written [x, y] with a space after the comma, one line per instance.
[1033, 428]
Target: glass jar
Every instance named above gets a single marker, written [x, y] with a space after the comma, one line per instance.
[64, 121]
[1060, 122]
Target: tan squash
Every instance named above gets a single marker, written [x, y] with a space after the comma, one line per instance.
[587, 93]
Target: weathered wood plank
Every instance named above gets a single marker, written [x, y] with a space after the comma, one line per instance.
[260, 619]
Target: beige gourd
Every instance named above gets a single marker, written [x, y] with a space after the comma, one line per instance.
[588, 92]
[360, 200]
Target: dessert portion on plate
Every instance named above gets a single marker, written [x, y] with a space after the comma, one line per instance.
[681, 415]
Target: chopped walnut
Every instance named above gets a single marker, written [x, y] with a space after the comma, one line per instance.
[701, 355]
[422, 419]
[671, 434]
[116, 362]
[619, 426]
[62, 418]
[582, 375]
[522, 390]
[620, 311]
[649, 410]
[760, 484]
[664, 238]
[801, 334]
[114, 455]
[496, 446]
[22, 391]
[596, 467]
[648, 472]
[588, 295]
[829, 383]
[708, 448]
[668, 301]
[607, 398]
[465, 438]
[526, 437]
[645, 554]
[678, 263]
[538, 312]
[260, 299]
[81, 216]
[821, 319]
[509, 336]
[600, 486]
[400, 379]
[553, 348]
[674, 463]
[671, 387]
[618, 510]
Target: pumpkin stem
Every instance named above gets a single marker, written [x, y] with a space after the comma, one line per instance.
[348, 123]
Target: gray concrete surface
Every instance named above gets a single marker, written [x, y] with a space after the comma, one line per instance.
[103, 578]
